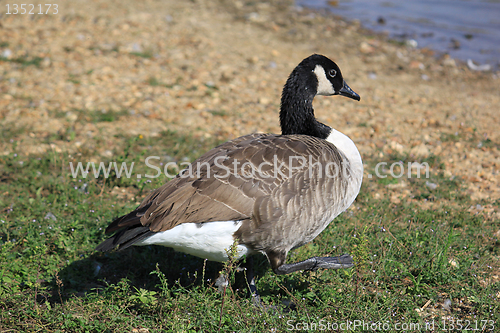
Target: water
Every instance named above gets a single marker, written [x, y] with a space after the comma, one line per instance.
[465, 29]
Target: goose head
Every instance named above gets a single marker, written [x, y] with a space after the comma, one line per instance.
[315, 75]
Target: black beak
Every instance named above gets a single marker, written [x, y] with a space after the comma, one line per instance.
[347, 92]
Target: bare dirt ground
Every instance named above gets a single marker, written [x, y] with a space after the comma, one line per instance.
[216, 68]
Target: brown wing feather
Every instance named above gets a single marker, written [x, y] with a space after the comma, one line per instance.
[239, 195]
[206, 198]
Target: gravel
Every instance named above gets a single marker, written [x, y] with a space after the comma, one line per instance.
[216, 68]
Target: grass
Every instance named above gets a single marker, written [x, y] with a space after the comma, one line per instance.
[154, 82]
[147, 54]
[410, 259]
[94, 116]
[24, 61]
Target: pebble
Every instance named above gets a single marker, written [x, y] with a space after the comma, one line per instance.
[420, 150]
[254, 17]
[140, 330]
[411, 43]
[450, 62]
[447, 304]
[107, 153]
[364, 47]
[416, 65]
[396, 146]
[50, 216]
[86, 66]
[431, 186]
[71, 116]
[264, 100]
[7, 53]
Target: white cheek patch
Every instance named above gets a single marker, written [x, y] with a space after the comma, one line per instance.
[325, 87]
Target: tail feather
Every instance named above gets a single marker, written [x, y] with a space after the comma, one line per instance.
[125, 238]
[129, 231]
[129, 220]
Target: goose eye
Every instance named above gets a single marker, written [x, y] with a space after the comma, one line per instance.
[332, 72]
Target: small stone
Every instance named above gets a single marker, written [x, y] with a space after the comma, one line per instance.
[71, 116]
[50, 216]
[447, 304]
[107, 153]
[140, 330]
[411, 43]
[45, 62]
[431, 186]
[254, 17]
[420, 150]
[395, 200]
[397, 146]
[364, 47]
[449, 62]
[7, 53]
[136, 47]
[83, 188]
[55, 148]
[253, 60]
[416, 65]
[264, 101]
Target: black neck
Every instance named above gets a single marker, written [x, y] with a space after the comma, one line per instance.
[297, 113]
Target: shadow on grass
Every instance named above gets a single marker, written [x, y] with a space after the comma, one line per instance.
[100, 270]
[136, 266]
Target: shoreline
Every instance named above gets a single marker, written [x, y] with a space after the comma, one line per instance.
[217, 70]
[441, 32]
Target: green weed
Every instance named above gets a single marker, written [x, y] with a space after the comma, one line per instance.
[24, 61]
[407, 256]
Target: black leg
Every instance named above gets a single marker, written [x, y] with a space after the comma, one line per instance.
[312, 264]
[250, 277]
[222, 281]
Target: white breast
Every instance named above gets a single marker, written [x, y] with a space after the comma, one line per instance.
[349, 149]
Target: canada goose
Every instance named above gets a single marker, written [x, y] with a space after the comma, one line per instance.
[269, 202]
